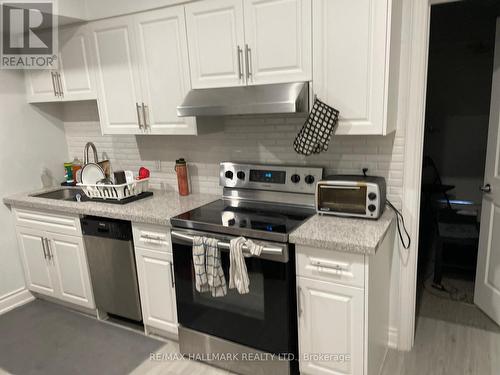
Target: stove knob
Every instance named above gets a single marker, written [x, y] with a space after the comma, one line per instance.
[309, 179]
[231, 222]
[241, 175]
[295, 178]
[229, 175]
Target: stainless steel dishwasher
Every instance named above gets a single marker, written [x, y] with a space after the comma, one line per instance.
[111, 257]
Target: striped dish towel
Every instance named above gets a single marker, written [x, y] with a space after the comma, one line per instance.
[209, 275]
[238, 273]
[215, 274]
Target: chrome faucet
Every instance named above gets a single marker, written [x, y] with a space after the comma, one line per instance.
[88, 146]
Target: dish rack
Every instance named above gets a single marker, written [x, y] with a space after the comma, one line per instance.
[115, 192]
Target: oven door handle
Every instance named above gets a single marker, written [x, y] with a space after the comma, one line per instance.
[224, 245]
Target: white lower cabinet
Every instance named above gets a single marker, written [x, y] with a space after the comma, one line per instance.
[69, 261]
[330, 324]
[56, 265]
[39, 277]
[343, 309]
[156, 285]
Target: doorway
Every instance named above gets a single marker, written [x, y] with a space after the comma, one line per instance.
[457, 120]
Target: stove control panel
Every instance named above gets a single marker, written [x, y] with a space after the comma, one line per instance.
[270, 177]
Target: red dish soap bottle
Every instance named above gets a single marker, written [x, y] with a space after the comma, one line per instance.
[182, 176]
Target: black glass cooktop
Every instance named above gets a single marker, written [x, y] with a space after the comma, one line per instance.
[272, 222]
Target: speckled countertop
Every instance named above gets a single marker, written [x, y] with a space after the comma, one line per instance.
[335, 233]
[157, 209]
[343, 234]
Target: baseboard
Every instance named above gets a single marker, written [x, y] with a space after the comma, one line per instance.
[15, 299]
[393, 338]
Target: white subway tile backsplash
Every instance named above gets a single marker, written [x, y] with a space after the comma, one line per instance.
[244, 138]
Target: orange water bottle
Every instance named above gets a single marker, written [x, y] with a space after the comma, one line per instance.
[182, 176]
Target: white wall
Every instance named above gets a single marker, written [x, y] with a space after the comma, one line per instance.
[32, 152]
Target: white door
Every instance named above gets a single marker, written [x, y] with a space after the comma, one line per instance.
[487, 287]
[156, 284]
[163, 53]
[41, 86]
[350, 40]
[331, 321]
[117, 75]
[215, 33]
[35, 258]
[77, 79]
[278, 40]
[69, 265]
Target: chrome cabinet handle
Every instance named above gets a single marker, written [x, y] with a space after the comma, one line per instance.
[486, 188]
[49, 252]
[59, 83]
[44, 249]
[240, 68]
[299, 302]
[144, 117]
[248, 51]
[54, 83]
[138, 110]
[172, 280]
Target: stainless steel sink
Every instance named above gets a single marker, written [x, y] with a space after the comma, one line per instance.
[62, 194]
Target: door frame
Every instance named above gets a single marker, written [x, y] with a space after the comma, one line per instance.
[414, 114]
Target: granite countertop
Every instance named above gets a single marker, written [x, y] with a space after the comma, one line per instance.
[343, 234]
[157, 209]
[322, 231]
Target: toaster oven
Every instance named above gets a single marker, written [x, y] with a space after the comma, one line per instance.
[351, 196]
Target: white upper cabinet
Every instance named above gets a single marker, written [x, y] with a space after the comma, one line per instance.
[216, 41]
[163, 56]
[351, 54]
[117, 75]
[278, 40]
[40, 86]
[73, 80]
[76, 77]
[235, 42]
[141, 64]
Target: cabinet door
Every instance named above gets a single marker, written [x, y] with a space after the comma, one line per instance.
[35, 261]
[162, 50]
[350, 65]
[40, 86]
[77, 79]
[215, 33]
[156, 284]
[70, 268]
[117, 75]
[331, 321]
[278, 35]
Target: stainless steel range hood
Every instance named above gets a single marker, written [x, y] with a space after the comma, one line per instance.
[246, 100]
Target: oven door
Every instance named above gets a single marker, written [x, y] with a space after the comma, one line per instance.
[263, 319]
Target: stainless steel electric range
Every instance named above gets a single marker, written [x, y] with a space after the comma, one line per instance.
[254, 333]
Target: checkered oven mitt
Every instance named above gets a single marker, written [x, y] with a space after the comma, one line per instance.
[316, 133]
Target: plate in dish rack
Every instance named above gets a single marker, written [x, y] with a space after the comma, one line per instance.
[91, 173]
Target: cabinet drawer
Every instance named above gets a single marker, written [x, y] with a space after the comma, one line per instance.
[154, 237]
[333, 266]
[48, 221]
